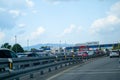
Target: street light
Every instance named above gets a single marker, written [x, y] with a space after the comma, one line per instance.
[28, 44]
[15, 39]
[15, 43]
[60, 46]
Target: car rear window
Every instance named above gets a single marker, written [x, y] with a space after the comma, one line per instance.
[5, 54]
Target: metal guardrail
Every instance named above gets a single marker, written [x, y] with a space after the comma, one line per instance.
[15, 66]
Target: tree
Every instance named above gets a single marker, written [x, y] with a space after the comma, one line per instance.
[6, 45]
[115, 47]
[33, 49]
[17, 48]
[45, 48]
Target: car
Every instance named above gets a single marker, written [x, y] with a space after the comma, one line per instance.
[20, 55]
[32, 54]
[83, 53]
[79, 54]
[114, 54]
[6, 53]
[91, 52]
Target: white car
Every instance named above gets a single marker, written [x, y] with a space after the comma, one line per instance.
[114, 54]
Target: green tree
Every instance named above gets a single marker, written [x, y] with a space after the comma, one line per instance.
[118, 45]
[33, 49]
[17, 48]
[6, 45]
[44, 48]
[115, 47]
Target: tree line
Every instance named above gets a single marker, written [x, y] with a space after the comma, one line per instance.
[16, 47]
[19, 49]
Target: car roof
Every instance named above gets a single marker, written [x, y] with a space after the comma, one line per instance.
[4, 49]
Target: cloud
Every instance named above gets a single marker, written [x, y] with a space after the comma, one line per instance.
[12, 10]
[72, 29]
[30, 3]
[34, 11]
[108, 24]
[17, 4]
[2, 35]
[20, 5]
[17, 7]
[15, 13]
[56, 2]
[13, 4]
[115, 10]
[68, 30]
[60, 0]
[80, 29]
[22, 25]
[37, 32]
[6, 20]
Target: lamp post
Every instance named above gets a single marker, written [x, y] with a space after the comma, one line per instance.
[15, 39]
[60, 46]
[15, 43]
[28, 44]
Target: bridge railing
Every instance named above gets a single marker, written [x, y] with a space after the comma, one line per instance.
[10, 67]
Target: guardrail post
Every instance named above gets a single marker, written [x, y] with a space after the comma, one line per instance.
[55, 67]
[69, 63]
[65, 56]
[42, 72]
[73, 56]
[10, 64]
[31, 75]
[61, 66]
[49, 69]
[65, 64]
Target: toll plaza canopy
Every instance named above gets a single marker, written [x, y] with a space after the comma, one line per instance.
[93, 46]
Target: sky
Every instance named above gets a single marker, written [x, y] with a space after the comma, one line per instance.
[59, 21]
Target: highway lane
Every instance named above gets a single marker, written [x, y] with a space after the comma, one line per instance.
[101, 69]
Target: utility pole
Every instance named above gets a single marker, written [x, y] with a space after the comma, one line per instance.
[15, 39]
[28, 44]
[60, 46]
[16, 43]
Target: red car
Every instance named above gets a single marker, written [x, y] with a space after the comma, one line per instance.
[83, 54]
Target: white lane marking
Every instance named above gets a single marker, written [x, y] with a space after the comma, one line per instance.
[50, 78]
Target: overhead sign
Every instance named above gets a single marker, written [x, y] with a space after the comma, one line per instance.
[88, 43]
[93, 43]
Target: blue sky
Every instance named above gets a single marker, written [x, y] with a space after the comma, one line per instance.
[52, 21]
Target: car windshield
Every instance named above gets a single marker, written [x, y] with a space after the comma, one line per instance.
[13, 54]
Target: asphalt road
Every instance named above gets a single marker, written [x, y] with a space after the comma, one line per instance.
[100, 69]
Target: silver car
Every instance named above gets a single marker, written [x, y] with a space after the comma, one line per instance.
[114, 54]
